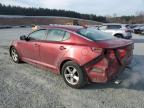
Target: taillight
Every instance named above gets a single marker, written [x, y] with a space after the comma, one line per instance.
[122, 53]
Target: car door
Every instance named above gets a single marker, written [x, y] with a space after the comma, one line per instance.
[55, 47]
[30, 48]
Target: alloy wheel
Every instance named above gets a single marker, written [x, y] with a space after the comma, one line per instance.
[14, 55]
[71, 75]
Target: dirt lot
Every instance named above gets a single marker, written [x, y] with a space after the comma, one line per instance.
[26, 86]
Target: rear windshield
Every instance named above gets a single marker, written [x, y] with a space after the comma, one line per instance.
[94, 34]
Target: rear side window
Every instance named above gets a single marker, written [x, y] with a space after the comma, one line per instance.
[57, 35]
[66, 36]
[113, 26]
[38, 35]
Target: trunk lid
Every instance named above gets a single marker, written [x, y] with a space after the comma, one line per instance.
[113, 43]
[121, 49]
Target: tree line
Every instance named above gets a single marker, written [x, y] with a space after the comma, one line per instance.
[16, 10]
[138, 18]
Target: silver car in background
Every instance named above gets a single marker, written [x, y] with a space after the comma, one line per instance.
[117, 30]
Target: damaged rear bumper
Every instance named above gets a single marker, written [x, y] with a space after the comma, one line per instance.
[105, 69]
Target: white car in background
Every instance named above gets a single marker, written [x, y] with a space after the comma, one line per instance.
[117, 30]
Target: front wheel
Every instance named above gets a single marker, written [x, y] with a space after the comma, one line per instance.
[14, 55]
[73, 75]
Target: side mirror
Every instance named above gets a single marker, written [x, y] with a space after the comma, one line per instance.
[24, 37]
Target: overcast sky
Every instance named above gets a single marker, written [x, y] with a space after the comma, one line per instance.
[98, 7]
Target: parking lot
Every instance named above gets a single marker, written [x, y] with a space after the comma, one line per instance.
[23, 85]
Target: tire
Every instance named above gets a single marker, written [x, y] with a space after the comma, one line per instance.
[119, 36]
[14, 55]
[73, 75]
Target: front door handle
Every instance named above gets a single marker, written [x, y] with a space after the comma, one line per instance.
[62, 48]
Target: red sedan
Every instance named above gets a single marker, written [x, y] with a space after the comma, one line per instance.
[79, 54]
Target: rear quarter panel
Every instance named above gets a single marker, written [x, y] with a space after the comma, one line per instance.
[80, 51]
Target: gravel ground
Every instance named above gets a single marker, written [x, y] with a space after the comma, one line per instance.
[26, 86]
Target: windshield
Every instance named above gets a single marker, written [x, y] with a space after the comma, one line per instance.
[94, 34]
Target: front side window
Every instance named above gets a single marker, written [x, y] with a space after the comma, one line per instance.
[94, 34]
[57, 35]
[38, 35]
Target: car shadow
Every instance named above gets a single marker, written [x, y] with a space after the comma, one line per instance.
[138, 40]
[132, 78]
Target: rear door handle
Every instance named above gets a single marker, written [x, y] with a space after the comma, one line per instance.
[62, 48]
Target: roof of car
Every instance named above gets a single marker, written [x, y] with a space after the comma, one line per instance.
[67, 27]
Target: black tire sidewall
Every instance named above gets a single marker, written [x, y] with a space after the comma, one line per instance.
[82, 76]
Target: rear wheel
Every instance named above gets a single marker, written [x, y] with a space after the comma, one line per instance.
[73, 75]
[14, 55]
